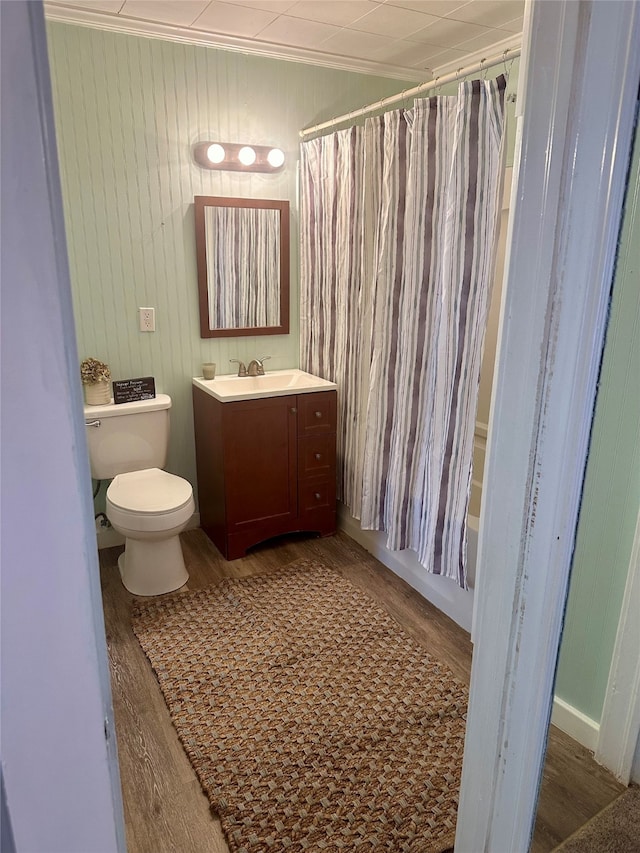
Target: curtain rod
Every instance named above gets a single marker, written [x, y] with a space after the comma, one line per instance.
[510, 53]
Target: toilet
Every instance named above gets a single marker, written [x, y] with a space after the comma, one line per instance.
[148, 506]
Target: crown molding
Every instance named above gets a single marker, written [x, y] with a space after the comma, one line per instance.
[511, 43]
[186, 35]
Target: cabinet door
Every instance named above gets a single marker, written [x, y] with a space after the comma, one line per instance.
[260, 464]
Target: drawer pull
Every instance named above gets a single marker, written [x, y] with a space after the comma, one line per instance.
[318, 414]
[293, 410]
[317, 496]
[318, 456]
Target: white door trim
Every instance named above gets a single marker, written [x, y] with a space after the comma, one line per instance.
[61, 786]
[620, 723]
[576, 121]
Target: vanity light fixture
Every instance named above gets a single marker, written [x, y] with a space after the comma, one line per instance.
[234, 157]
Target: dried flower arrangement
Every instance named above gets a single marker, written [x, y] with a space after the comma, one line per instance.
[92, 370]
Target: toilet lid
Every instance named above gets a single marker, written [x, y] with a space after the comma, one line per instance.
[150, 491]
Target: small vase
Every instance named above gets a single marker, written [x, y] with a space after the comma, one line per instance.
[97, 394]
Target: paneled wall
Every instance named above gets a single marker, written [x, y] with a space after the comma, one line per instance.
[128, 110]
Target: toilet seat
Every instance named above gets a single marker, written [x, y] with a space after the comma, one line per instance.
[149, 500]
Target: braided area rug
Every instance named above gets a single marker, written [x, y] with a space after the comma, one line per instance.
[313, 722]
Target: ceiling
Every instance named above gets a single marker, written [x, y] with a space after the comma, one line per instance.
[409, 39]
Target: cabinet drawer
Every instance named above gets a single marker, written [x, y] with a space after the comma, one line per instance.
[317, 455]
[317, 495]
[316, 412]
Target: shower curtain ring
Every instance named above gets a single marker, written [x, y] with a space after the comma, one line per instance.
[507, 71]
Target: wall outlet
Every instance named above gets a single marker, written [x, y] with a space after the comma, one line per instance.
[147, 319]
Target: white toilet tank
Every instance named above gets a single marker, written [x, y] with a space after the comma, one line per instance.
[128, 436]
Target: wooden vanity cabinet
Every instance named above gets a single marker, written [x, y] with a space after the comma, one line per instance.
[265, 467]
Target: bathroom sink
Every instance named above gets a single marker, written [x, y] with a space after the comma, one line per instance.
[275, 383]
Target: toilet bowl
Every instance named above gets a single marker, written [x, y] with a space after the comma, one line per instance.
[150, 508]
[128, 445]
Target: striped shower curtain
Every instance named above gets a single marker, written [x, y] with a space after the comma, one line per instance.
[398, 231]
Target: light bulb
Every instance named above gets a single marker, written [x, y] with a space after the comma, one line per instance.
[216, 153]
[275, 157]
[247, 156]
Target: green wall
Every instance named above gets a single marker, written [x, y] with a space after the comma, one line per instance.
[612, 487]
[128, 110]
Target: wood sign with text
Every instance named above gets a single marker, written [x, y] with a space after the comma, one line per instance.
[131, 390]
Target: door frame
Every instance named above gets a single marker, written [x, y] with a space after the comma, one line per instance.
[619, 728]
[620, 723]
[60, 778]
[575, 123]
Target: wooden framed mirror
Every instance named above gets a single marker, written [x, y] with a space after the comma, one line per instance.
[242, 252]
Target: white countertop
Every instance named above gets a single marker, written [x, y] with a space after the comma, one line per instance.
[275, 383]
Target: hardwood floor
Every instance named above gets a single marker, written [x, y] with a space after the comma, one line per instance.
[165, 810]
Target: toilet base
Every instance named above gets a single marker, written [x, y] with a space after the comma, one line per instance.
[152, 567]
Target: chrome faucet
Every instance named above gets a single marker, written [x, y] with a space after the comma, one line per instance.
[242, 370]
[256, 367]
